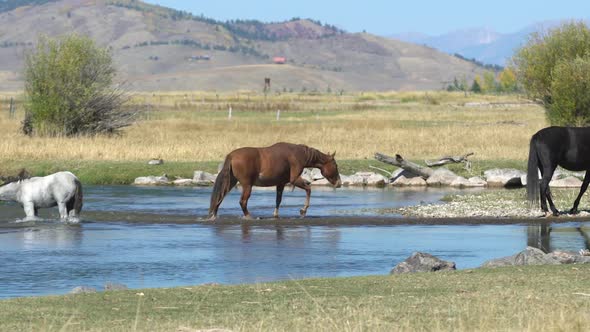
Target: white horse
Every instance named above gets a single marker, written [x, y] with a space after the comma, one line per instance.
[62, 189]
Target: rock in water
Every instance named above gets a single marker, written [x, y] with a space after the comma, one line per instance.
[111, 286]
[422, 262]
[83, 290]
[529, 256]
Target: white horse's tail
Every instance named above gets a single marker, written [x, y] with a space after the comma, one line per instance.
[77, 200]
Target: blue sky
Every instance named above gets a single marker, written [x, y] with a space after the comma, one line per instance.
[389, 17]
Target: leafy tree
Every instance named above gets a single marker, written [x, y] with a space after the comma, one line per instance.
[546, 63]
[507, 78]
[475, 87]
[69, 89]
[489, 82]
[570, 86]
[457, 85]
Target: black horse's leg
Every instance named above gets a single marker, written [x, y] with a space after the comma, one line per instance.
[546, 192]
[280, 189]
[551, 205]
[300, 183]
[246, 191]
[574, 209]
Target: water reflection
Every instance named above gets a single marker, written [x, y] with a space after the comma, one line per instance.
[263, 253]
[539, 236]
[49, 257]
[43, 234]
[548, 237]
[585, 237]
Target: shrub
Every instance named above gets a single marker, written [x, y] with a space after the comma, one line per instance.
[570, 104]
[69, 89]
[546, 63]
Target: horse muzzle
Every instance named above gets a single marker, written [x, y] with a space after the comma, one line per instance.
[338, 183]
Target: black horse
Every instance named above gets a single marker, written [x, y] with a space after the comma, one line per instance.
[557, 146]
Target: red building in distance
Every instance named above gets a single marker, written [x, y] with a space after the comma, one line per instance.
[279, 60]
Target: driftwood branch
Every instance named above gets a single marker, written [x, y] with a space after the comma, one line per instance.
[449, 160]
[386, 172]
[409, 166]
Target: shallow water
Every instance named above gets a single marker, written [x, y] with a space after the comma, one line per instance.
[50, 257]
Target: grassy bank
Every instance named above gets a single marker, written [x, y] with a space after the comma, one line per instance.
[191, 131]
[124, 172]
[186, 127]
[534, 298]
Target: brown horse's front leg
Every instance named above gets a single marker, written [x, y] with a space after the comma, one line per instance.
[246, 191]
[300, 183]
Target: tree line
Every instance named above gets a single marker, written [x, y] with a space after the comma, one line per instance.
[489, 82]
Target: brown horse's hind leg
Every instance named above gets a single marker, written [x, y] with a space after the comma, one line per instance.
[280, 189]
[300, 183]
[215, 205]
[246, 191]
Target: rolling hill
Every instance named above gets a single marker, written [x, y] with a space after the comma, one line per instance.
[157, 48]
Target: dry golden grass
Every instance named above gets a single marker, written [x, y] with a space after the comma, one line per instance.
[195, 127]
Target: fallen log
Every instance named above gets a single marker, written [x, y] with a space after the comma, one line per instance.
[399, 161]
[450, 160]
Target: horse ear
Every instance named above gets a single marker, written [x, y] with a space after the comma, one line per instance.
[23, 174]
[333, 155]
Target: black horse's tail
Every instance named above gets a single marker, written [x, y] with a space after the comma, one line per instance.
[532, 176]
[76, 202]
[224, 182]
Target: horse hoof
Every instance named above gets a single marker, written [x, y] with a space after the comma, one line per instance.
[572, 211]
[248, 217]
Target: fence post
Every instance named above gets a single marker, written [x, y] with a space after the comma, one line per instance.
[11, 109]
[278, 115]
[229, 114]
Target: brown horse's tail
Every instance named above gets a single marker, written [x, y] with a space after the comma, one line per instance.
[532, 176]
[224, 182]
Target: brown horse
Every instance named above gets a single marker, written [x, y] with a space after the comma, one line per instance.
[275, 165]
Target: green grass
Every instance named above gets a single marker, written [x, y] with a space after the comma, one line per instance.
[107, 172]
[125, 172]
[534, 298]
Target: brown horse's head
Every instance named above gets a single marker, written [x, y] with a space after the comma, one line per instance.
[329, 170]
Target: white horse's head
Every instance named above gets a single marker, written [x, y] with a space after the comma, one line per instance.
[22, 175]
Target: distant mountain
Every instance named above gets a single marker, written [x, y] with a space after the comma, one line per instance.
[158, 48]
[8, 5]
[482, 44]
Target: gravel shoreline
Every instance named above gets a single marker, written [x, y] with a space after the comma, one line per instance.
[490, 204]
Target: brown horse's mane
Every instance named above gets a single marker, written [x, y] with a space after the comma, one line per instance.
[313, 156]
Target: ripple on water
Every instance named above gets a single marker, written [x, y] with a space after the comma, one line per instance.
[48, 256]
